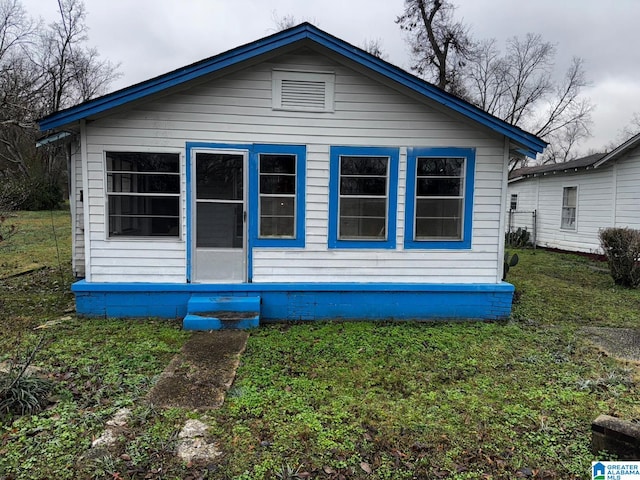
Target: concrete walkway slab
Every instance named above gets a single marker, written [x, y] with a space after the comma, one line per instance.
[199, 376]
[621, 343]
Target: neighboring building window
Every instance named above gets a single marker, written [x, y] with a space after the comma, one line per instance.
[363, 189]
[569, 204]
[143, 194]
[514, 202]
[439, 199]
[277, 195]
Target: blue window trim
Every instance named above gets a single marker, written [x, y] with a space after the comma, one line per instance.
[300, 151]
[392, 195]
[252, 199]
[412, 154]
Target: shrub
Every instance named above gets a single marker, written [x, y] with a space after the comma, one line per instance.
[37, 193]
[22, 392]
[621, 246]
[519, 238]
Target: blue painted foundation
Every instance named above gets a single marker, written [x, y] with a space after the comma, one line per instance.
[311, 301]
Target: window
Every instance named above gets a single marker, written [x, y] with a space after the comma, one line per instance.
[569, 204]
[439, 198]
[303, 91]
[143, 194]
[363, 185]
[277, 195]
[513, 205]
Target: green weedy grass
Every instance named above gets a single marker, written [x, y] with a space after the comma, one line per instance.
[401, 400]
[39, 238]
[574, 290]
[416, 399]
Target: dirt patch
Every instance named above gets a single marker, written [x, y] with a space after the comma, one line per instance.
[199, 376]
[621, 343]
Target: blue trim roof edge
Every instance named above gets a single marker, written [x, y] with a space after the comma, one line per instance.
[304, 31]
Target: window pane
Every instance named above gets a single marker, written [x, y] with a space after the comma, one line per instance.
[438, 228]
[570, 195]
[439, 187]
[147, 206]
[277, 206]
[438, 218]
[143, 216]
[363, 166]
[370, 228]
[363, 207]
[143, 162]
[568, 218]
[219, 225]
[219, 176]
[143, 226]
[363, 218]
[277, 227]
[274, 184]
[363, 186]
[143, 183]
[278, 164]
[429, 166]
[438, 208]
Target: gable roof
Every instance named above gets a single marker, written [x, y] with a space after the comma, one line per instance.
[305, 32]
[620, 150]
[592, 161]
[577, 164]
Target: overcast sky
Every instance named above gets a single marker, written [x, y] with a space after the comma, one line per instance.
[151, 37]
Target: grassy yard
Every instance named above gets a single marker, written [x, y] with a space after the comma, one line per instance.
[328, 400]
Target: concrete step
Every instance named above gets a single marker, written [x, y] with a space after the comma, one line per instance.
[207, 312]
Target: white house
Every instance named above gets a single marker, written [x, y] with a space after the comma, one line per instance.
[296, 177]
[574, 200]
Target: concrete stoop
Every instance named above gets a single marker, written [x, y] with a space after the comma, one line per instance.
[206, 312]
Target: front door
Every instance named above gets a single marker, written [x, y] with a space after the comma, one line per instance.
[219, 217]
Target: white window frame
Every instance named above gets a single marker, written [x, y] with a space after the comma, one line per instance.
[571, 227]
[293, 196]
[363, 196]
[513, 202]
[108, 193]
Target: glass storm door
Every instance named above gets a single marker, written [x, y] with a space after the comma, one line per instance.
[219, 219]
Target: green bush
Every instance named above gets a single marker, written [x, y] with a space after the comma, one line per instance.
[38, 193]
[621, 246]
[519, 238]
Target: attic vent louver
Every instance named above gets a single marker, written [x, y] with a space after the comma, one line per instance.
[303, 91]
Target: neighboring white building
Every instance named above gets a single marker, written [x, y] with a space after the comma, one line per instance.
[297, 170]
[574, 200]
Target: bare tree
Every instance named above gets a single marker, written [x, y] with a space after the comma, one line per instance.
[517, 86]
[374, 47]
[285, 22]
[16, 27]
[73, 72]
[42, 69]
[628, 131]
[440, 45]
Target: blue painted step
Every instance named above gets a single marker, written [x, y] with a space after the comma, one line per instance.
[207, 312]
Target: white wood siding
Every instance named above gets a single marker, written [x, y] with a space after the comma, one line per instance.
[527, 191]
[237, 109]
[77, 212]
[628, 191]
[607, 196]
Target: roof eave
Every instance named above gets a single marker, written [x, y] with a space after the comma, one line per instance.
[529, 143]
[620, 150]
